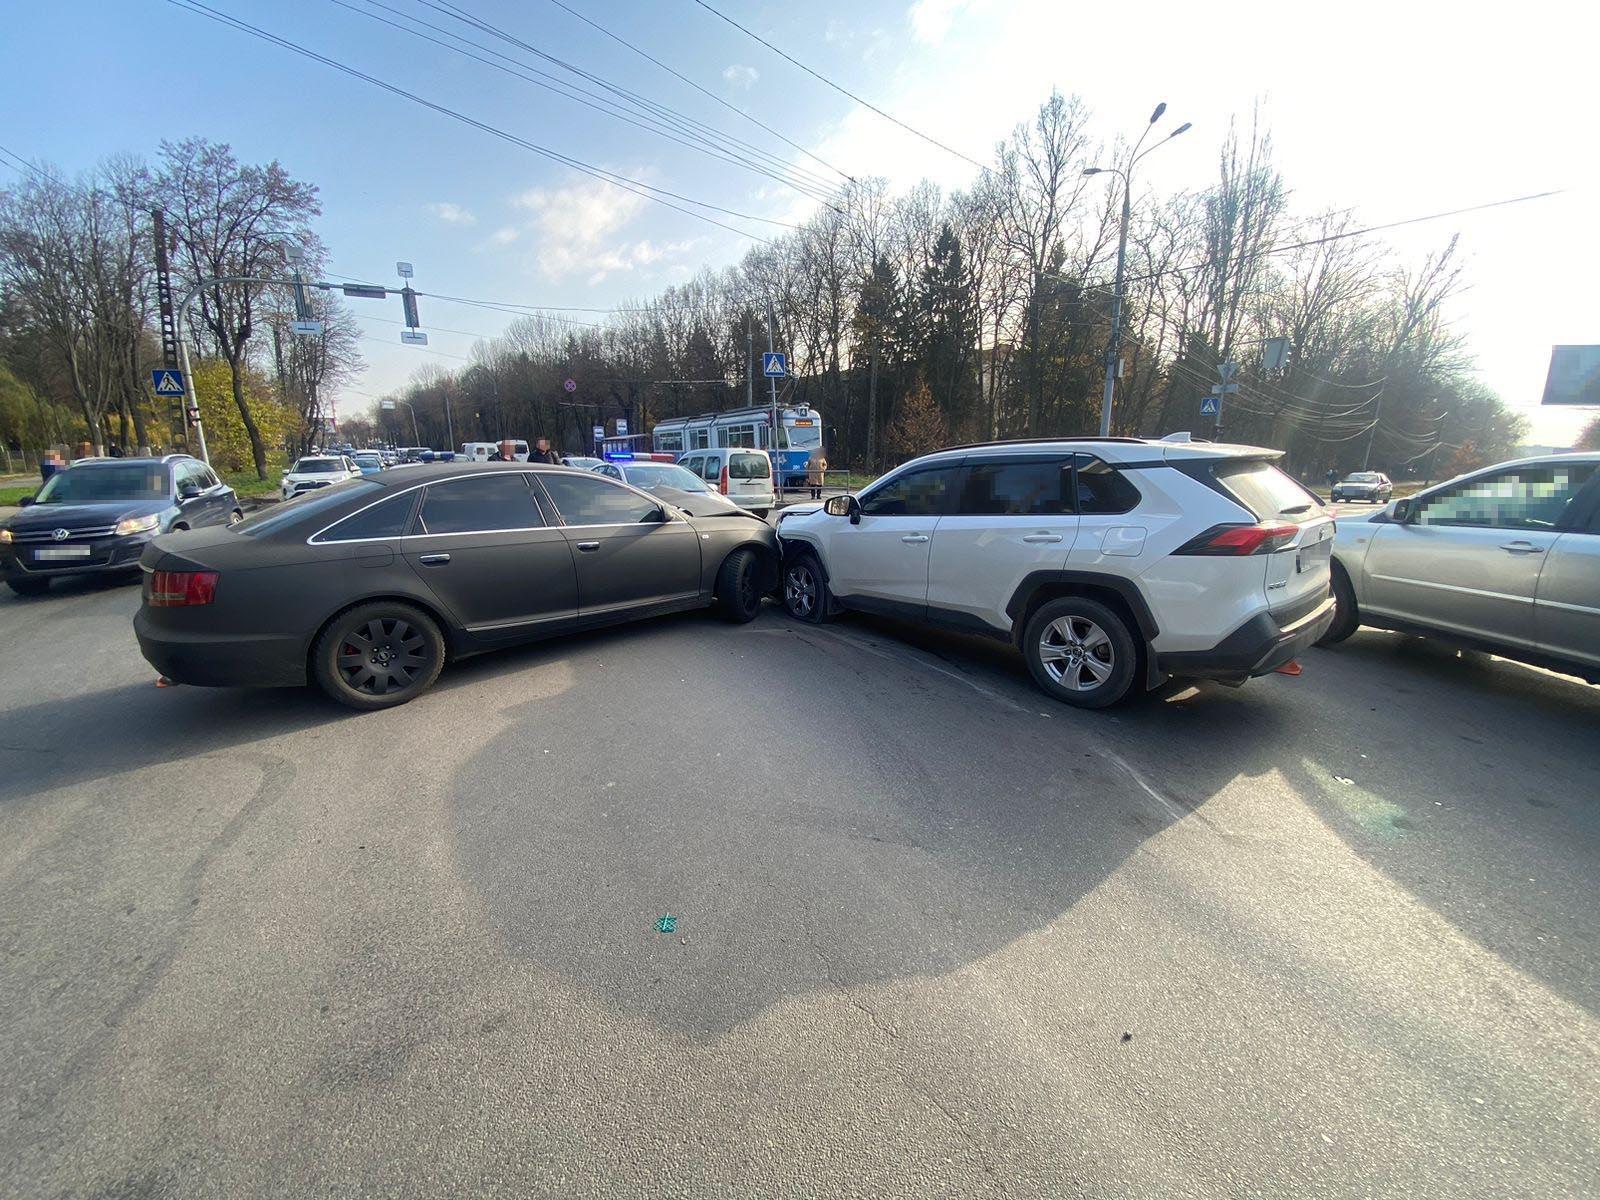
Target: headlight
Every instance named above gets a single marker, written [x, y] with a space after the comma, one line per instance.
[5, 537]
[137, 525]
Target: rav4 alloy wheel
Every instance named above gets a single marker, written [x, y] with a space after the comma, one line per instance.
[805, 592]
[1080, 652]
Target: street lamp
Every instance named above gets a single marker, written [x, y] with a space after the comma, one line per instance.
[1113, 351]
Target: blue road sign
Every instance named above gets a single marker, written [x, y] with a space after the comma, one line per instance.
[168, 382]
[1208, 406]
[774, 366]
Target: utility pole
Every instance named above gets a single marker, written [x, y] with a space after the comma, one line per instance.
[1114, 351]
[772, 434]
[749, 356]
[1373, 432]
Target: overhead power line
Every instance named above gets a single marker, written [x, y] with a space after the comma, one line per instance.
[637, 187]
[932, 141]
[704, 91]
[722, 147]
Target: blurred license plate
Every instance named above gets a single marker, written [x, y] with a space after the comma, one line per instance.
[64, 552]
[1313, 556]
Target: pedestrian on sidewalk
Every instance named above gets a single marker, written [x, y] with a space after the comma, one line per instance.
[816, 472]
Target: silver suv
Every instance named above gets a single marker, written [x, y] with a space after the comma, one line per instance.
[1506, 560]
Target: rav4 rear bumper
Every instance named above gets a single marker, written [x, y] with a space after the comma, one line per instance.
[1258, 647]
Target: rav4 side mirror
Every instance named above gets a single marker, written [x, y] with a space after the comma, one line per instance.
[843, 506]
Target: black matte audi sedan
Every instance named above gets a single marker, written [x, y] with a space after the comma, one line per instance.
[369, 587]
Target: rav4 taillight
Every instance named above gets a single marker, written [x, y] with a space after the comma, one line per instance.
[1228, 541]
[178, 589]
[724, 482]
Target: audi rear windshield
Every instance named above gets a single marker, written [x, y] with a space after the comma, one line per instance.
[305, 506]
[1265, 490]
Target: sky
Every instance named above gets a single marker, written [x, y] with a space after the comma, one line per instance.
[1393, 110]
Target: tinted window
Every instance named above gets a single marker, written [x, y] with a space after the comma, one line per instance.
[591, 500]
[1018, 488]
[308, 507]
[387, 519]
[1526, 498]
[1103, 490]
[85, 485]
[915, 494]
[749, 466]
[480, 504]
[1263, 489]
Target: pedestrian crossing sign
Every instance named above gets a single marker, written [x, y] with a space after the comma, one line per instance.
[1208, 406]
[168, 382]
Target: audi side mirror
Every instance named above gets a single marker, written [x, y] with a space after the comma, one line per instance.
[25, 502]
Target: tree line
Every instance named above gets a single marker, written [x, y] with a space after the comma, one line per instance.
[79, 331]
[911, 320]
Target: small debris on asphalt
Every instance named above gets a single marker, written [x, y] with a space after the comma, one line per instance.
[667, 924]
[1126, 1036]
[1343, 780]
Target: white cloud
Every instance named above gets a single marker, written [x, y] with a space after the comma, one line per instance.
[452, 214]
[575, 228]
[931, 19]
[741, 76]
[504, 236]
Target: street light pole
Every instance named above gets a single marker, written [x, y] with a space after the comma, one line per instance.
[1114, 349]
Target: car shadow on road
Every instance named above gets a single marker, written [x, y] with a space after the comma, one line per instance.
[816, 812]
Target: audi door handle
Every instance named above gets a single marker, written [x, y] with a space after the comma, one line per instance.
[1040, 538]
[586, 547]
[433, 560]
[914, 539]
[1521, 547]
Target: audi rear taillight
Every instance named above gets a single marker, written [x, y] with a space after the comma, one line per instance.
[179, 589]
[724, 483]
[1237, 541]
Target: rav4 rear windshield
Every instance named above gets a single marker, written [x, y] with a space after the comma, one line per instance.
[1266, 491]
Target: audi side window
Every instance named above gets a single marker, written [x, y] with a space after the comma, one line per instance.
[483, 504]
[1018, 488]
[1526, 498]
[386, 519]
[592, 500]
[1102, 489]
[917, 494]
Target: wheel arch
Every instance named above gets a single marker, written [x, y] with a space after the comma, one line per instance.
[452, 640]
[1120, 595]
[769, 556]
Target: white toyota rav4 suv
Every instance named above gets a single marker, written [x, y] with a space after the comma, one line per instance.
[1108, 562]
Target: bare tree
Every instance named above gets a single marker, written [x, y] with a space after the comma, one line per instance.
[225, 217]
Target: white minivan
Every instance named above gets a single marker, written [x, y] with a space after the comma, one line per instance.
[743, 476]
[483, 451]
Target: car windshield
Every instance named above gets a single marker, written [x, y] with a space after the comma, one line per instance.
[318, 466]
[749, 466]
[89, 485]
[1364, 477]
[368, 460]
[1264, 490]
[305, 506]
[803, 435]
[650, 476]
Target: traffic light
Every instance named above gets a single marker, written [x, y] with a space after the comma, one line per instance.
[408, 299]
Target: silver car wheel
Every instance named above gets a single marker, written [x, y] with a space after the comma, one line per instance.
[1074, 647]
[800, 590]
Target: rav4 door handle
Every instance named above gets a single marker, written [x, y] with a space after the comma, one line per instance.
[1040, 538]
[1520, 547]
[912, 539]
[433, 560]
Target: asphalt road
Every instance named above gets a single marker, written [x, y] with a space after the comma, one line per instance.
[1326, 936]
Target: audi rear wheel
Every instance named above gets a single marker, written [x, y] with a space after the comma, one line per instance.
[378, 655]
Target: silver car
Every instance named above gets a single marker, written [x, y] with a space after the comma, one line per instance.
[1506, 559]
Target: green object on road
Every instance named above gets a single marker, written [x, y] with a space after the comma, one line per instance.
[667, 924]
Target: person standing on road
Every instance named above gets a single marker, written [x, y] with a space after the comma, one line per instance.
[1333, 477]
[543, 453]
[816, 472]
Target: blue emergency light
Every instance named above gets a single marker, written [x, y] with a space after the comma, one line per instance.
[619, 455]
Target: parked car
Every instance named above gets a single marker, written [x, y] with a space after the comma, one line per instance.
[1371, 486]
[743, 476]
[676, 485]
[453, 561]
[582, 461]
[370, 462]
[1110, 563]
[317, 471]
[483, 451]
[95, 518]
[1506, 559]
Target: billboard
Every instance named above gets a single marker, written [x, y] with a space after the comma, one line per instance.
[1574, 376]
